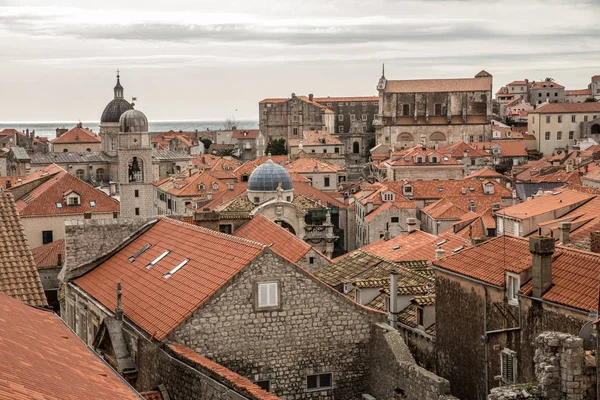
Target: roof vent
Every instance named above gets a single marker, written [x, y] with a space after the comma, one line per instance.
[157, 259]
[139, 252]
[177, 268]
[396, 247]
[456, 250]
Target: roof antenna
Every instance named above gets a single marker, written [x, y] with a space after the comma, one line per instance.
[118, 309]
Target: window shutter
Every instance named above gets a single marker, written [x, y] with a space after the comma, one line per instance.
[273, 294]
[505, 366]
[509, 368]
[263, 295]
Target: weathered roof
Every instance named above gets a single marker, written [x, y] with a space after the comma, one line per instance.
[439, 85]
[316, 138]
[71, 158]
[43, 359]
[166, 155]
[20, 153]
[245, 134]
[484, 173]
[209, 268]
[307, 165]
[47, 256]
[579, 92]
[546, 85]
[77, 135]
[540, 205]
[18, 276]
[558, 108]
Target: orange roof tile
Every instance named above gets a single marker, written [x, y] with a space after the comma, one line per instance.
[316, 138]
[307, 165]
[18, 276]
[443, 209]
[409, 157]
[484, 173]
[152, 395]
[43, 199]
[77, 135]
[558, 108]
[245, 133]
[575, 273]
[239, 382]
[540, 205]
[514, 83]
[544, 84]
[439, 85]
[579, 92]
[437, 189]
[201, 183]
[459, 149]
[262, 230]
[46, 256]
[43, 359]
[401, 203]
[209, 268]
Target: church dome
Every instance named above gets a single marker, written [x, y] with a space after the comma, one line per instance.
[113, 110]
[268, 176]
[133, 121]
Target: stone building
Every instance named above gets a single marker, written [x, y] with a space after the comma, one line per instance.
[578, 95]
[507, 291]
[546, 92]
[442, 110]
[27, 140]
[323, 175]
[49, 259]
[77, 140]
[559, 126]
[253, 291]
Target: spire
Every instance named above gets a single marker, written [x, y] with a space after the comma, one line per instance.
[118, 88]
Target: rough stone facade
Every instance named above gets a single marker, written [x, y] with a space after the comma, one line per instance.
[393, 371]
[315, 330]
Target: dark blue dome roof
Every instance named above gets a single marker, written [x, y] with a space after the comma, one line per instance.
[114, 110]
[268, 176]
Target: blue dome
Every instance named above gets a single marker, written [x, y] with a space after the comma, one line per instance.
[268, 176]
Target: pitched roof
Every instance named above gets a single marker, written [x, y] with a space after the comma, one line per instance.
[546, 85]
[316, 138]
[307, 165]
[443, 209]
[200, 183]
[77, 135]
[43, 199]
[575, 273]
[18, 276]
[439, 85]
[43, 359]
[459, 149]
[540, 205]
[245, 133]
[514, 83]
[484, 173]
[209, 268]
[558, 108]
[437, 189]
[579, 92]
[237, 381]
[409, 157]
[262, 230]
[71, 157]
[46, 256]
[345, 99]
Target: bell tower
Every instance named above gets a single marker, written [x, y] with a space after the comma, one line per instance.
[134, 153]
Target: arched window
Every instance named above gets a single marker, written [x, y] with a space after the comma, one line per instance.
[79, 174]
[88, 150]
[404, 137]
[437, 137]
[355, 147]
[135, 169]
[65, 150]
[100, 174]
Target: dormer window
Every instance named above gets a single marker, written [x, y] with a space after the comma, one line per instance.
[73, 199]
[434, 159]
[419, 160]
[201, 186]
[408, 189]
[215, 186]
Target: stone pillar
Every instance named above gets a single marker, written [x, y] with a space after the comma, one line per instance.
[542, 249]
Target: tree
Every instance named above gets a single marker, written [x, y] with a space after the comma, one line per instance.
[225, 152]
[548, 79]
[590, 100]
[207, 143]
[231, 124]
[276, 147]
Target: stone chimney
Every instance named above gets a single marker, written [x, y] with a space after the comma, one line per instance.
[439, 253]
[310, 97]
[542, 249]
[411, 225]
[564, 229]
[8, 184]
[118, 309]
[393, 311]
[595, 242]
[387, 235]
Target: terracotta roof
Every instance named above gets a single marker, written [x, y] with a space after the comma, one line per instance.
[439, 85]
[528, 136]
[416, 245]
[401, 203]
[262, 230]
[43, 199]
[303, 98]
[545, 85]
[459, 149]
[575, 273]
[443, 209]
[316, 138]
[77, 135]
[313, 193]
[209, 268]
[346, 99]
[540, 205]
[201, 183]
[484, 173]
[273, 100]
[18, 276]
[514, 83]
[237, 381]
[307, 165]
[434, 189]
[512, 148]
[43, 359]
[579, 92]
[558, 108]
[245, 133]
[46, 256]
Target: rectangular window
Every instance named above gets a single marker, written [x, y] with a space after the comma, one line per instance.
[295, 131]
[115, 214]
[341, 117]
[87, 215]
[336, 150]
[585, 118]
[512, 289]
[352, 117]
[137, 211]
[573, 118]
[225, 228]
[437, 109]
[326, 181]
[559, 135]
[74, 201]
[571, 135]
[508, 365]
[265, 385]
[471, 139]
[320, 381]
[547, 136]
[295, 118]
[395, 220]
[364, 117]
[515, 228]
[547, 119]
[324, 150]
[311, 260]
[560, 118]
[419, 316]
[47, 237]
[136, 193]
[268, 295]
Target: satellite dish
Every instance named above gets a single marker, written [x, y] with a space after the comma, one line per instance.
[589, 337]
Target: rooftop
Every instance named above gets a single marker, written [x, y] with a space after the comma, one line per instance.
[43, 359]
[77, 135]
[19, 277]
[316, 138]
[47, 256]
[484, 173]
[559, 199]
[439, 85]
[558, 108]
[307, 165]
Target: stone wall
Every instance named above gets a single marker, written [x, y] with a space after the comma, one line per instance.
[393, 371]
[87, 240]
[314, 330]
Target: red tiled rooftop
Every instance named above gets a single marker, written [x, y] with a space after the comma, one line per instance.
[579, 92]
[561, 198]
[77, 135]
[558, 108]
[43, 359]
[484, 173]
[310, 165]
[245, 134]
[439, 85]
[214, 257]
[262, 230]
[316, 138]
[546, 85]
[46, 256]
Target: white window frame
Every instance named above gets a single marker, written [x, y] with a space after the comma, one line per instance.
[508, 357]
[513, 285]
[267, 295]
[340, 117]
[500, 225]
[352, 117]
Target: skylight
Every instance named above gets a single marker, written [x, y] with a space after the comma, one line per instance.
[441, 243]
[139, 252]
[92, 203]
[58, 205]
[177, 268]
[157, 259]
[396, 247]
[456, 250]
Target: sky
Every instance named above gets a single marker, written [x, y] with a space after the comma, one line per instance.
[209, 60]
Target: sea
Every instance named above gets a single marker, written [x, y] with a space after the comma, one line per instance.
[48, 129]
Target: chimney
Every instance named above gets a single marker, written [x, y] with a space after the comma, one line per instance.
[439, 253]
[411, 225]
[59, 261]
[495, 207]
[118, 309]
[310, 97]
[542, 249]
[393, 311]
[564, 229]
[8, 184]
[387, 235]
[595, 242]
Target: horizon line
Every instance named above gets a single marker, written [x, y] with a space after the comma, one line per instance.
[149, 121]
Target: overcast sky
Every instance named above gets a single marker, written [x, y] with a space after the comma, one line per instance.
[206, 60]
